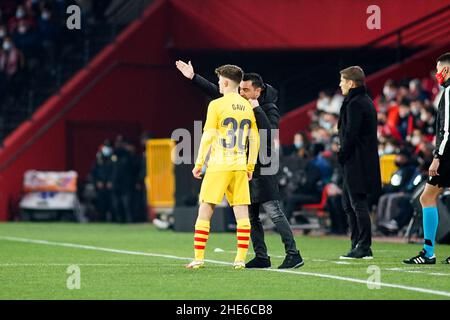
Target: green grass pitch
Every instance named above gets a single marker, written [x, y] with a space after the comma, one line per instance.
[140, 262]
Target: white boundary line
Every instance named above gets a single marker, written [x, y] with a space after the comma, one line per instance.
[148, 254]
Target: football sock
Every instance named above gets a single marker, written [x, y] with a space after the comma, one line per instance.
[243, 238]
[430, 224]
[200, 237]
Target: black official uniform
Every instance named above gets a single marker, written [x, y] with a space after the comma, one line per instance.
[442, 151]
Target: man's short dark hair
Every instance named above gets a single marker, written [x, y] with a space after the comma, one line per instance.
[444, 58]
[255, 78]
[232, 72]
[354, 73]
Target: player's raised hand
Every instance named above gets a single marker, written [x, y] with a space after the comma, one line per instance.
[185, 68]
[196, 172]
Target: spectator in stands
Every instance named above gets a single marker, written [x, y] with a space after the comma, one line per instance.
[338, 218]
[416, 91]
[12, 63]
[427, 123]
[405, 119]
[389, 91]
[27, 40]
[3, 33]
[50, 33]
[329, 102]
[299, 146]
[400, 183]
[307, 184]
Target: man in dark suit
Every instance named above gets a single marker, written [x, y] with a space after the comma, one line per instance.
[358, 156]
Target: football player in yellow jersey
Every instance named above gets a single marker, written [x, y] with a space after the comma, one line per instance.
[230, 130]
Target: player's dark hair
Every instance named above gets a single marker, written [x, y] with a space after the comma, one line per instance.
[444, 58]
[255, 78]
[354, 73]
[232, 72]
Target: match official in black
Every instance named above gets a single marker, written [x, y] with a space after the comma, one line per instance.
[358, 156]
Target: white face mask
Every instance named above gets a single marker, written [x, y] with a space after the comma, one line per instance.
[22, 29]
[389, 149]
[45, 16]
[424, 117]
[7, 46]
[415, 140]
[20, 14]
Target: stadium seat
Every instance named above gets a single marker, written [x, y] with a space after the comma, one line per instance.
[314, 210]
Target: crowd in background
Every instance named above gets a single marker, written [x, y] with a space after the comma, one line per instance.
[406, 129]
[118, 177]
[33, 35]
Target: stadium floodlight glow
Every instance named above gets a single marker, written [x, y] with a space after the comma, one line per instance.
[417, 180]
[396, 180]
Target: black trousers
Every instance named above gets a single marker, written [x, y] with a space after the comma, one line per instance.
[273, 209]
[356, 207]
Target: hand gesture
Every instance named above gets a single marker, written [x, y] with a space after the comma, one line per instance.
[185, 68]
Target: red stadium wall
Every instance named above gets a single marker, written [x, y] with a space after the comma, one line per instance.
[133, 86]
[123, 87]
[299, 24]
[420, 65]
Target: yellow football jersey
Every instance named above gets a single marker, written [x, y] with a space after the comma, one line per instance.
[230, 130]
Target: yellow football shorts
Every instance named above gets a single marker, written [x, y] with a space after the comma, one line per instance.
[234, 184]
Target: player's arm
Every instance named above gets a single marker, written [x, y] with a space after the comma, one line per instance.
[442, 141]
[209, 133]
[207, 87]
[253, 146]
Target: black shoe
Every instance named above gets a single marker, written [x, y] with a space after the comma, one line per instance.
[258, 263]
[447, 261]
[358, 253]
[421, 259]
[292, 261]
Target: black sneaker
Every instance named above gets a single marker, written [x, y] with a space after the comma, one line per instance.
[292, 261]
[447, 261]
[358, 253]
[421, 259]
[257, 262]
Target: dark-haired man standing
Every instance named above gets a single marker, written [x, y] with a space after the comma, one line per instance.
[358, 156]
[439, 171]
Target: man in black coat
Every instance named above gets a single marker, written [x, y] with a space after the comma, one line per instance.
[358, 156]
[264, 185]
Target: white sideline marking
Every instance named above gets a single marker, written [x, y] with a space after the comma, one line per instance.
[418, 271]
[139, 253]
[65, 264]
